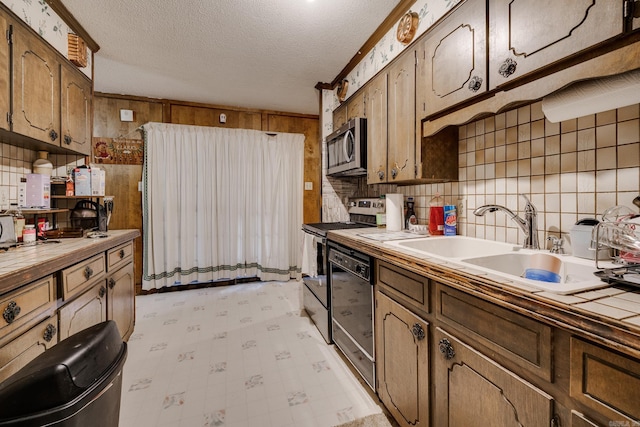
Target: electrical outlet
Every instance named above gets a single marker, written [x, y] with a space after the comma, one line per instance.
[4, 198]
[462, 207]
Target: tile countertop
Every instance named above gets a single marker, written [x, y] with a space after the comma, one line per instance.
[610, 315]
[24, 264]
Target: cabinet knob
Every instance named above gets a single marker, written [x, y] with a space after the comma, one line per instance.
[88, 272]
[418, 331]
[67, 139]
[112, 283]
[49, 332]
[11, 311]
[121, 253]
[102, 292]
[394, 173]
[380, 175]
[446, 349]
[475, 83]
[53, 135]
[507, 68]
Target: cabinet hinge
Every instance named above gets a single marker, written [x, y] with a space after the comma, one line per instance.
[10, 119]
[631, 9]
[10, 35]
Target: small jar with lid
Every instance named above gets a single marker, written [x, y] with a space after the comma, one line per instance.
[29, 234]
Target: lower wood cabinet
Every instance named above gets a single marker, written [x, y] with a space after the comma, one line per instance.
[473, 390]
[120, 299]
[86, 310]
[402, 351]
[606, 381]
[20, 351]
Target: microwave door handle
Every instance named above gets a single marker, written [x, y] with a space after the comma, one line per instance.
[345, 143]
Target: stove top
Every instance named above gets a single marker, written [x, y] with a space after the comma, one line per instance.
[362, 213]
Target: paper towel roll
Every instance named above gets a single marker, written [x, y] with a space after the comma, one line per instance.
[395, 211]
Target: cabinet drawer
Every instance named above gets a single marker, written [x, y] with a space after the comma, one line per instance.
[605, 381]
[405, 285]
[119, 256]
[22, 350]
[522, 340]
[26, 305]
[77, 278]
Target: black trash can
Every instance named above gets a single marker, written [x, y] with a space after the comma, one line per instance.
[78, 382]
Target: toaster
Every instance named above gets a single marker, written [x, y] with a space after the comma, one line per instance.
[7, 232]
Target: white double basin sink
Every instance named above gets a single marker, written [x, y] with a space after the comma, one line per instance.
[505, 260]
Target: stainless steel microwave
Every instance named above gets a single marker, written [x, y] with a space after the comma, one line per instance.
[347, 149]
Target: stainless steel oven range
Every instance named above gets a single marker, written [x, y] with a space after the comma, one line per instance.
[316, 293]
[350, 277]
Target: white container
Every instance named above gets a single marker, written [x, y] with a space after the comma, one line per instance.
[29, 234]
[38, 191]
[581, 240]
[42, 165]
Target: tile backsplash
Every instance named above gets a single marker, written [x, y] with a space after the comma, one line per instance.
[17, 162]
[570, 170]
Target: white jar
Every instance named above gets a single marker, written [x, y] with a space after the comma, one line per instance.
[42, 165]
[29, 234]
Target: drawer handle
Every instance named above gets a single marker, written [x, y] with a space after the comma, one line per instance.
[475, 84]
[508, 67]
[102, 292]
[121, 253]
[418, 331]
[49, 332]
[112, 283]
[88, 272]
[11, 312]
[446, 349]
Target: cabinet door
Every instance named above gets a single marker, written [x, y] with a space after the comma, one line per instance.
[526, 35]
[339, 116]
[401, 159]
[473, 390]
[88, 309]
[376, 111]
[402, 362]
[36, 88]
[120, 300]
[452, 61]
[26, 347]
[4, 74]
[76, 110]
[356, 105]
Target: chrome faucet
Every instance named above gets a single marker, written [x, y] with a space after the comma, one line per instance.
[528, 225]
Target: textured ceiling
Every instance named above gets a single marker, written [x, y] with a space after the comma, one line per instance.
[264, 54]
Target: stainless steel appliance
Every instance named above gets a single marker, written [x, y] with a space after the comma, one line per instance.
[350, 277]
[347, 149]
[7, 232]
[316, 295]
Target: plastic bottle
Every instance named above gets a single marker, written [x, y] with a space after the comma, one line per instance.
[410, 216]
[436, 215]
[450, 220]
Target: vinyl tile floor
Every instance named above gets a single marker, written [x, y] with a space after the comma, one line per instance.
[235, 356]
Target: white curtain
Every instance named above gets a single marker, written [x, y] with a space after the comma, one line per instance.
[220, 203]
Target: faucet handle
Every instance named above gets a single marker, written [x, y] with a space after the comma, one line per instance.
[556, 244]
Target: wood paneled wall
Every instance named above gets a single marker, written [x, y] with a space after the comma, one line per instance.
[122, 180]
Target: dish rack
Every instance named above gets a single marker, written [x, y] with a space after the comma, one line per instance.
[619, 230]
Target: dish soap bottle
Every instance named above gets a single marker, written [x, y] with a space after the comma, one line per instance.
[436, 215]
[410, 217]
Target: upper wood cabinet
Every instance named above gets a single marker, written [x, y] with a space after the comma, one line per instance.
[401, 121]
[5, 72]
[36, 88]
[356, 105]
[526, 35]
[207, 116]
[376, 113]
[76, 110]
[451, 62]
[339, 116]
